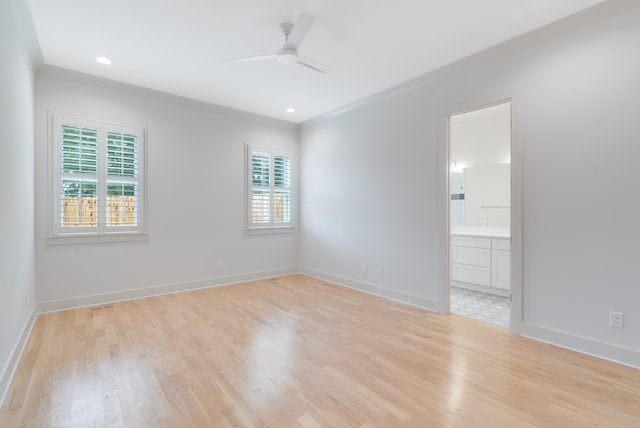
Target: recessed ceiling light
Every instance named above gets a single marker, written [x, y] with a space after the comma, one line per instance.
[290, 110]
[103, 60]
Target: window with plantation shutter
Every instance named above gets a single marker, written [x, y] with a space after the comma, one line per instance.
[97, 180]
[268, 190]
[122, 179]
[79, 176]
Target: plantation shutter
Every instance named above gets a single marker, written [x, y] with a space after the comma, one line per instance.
[79, 176]
[282, 189]
[123, 197]
[260, 192]
[269, 198]
[98, 178]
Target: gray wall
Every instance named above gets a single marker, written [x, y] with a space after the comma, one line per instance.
[17, 283]
[373, 179]
[195, 196]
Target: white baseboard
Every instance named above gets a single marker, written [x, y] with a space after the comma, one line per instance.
[398, 296]
[482, 288]
[587, 346]
[139, 293]
[8, 372]
[6, 376]
[605, 351]
[583, 345]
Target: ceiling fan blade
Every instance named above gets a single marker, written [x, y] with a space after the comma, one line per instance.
[253, 58]
[300, 29]
[313, 65]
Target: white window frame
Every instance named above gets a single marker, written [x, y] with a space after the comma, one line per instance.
[58, 234]
[272, 226]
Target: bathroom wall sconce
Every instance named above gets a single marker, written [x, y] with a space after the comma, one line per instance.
[455, 167]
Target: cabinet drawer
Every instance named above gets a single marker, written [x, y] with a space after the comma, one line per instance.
[472, 256]
[472, 274]
[467, 241]
[501, 244]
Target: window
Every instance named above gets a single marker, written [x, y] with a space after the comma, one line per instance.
[269, 190]
[98, 178]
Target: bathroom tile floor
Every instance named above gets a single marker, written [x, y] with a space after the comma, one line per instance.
[480, 306]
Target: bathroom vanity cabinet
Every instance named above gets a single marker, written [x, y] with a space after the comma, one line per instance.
[481, 261]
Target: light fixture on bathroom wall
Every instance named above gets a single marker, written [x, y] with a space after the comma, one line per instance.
[455, 167]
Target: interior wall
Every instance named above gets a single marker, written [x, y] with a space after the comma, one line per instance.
[17, 260]
[368, 192]
[371, 188]
[195, 196]
[487, 195]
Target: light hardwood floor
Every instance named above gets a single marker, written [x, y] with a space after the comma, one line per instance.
[295, 351]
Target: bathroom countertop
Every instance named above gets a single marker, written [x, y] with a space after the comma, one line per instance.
[481, 231]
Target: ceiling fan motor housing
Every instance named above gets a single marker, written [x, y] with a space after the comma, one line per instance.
[287, 55]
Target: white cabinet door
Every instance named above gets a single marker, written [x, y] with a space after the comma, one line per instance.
[501, 269]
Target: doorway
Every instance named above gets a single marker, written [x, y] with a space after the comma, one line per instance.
[480, 213]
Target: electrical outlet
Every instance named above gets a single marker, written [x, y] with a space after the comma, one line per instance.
[379, 272]
[616, 319]
[218, 264]
[363, 268]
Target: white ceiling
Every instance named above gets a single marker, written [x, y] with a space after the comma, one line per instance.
[182, 47]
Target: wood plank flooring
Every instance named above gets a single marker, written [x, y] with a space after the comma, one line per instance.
[298, 352]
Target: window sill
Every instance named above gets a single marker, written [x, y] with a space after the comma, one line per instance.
[269, 230]
[92, 238]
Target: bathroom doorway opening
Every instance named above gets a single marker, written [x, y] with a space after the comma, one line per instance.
[480, 213]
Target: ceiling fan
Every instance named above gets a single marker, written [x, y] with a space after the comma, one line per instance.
[288, 53]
